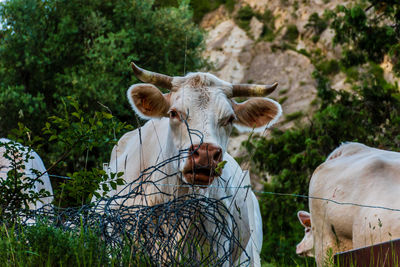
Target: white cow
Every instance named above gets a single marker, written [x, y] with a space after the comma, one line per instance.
[355, 173]
[306, 246]
[200, 103]
[34, 163]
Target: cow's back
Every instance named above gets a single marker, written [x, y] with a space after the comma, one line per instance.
[355, 173]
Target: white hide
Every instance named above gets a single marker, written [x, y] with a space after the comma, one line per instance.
[35, 163]
[129, 156]
[355, 173]
[199, 102]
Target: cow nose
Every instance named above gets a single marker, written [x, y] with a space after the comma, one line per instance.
[206, 154]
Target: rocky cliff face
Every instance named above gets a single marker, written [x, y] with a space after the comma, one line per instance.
[246, 55]
[241, 56]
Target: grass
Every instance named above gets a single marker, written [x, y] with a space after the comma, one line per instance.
[44, 245]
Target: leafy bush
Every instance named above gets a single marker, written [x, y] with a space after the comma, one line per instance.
[352, 58]
[53, 49]
[328, 67]
[268, 19]
[369, 34]
[246, 13]
[291, 33]
[369, 114]
[317, 24]
[244, 16]
[202, 7]
[75, 133]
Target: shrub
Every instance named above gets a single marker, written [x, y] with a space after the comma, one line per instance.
[291, 33]
[317, 24]
[328, 67]
[370, 116]
[244, 16]
[53, 49]
[268, 19]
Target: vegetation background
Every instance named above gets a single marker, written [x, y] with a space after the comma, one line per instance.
[64, 71]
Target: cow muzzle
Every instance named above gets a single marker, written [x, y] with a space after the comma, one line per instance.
[201, 164]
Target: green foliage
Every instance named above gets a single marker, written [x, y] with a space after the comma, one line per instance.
[328, 67]
[268, 19]
[53, 49]
[291, 33]
[244, 16]
[83, 185]
[202, 7]
[17, 189]
[317, 24]
[44, 245]
[77, 134]
[394, 54]
[369, 37]
[352, 58]
[64, 71]
[369, 114]
[199, 7]
[246, 13]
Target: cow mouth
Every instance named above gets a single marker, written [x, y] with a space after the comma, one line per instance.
[198, 175]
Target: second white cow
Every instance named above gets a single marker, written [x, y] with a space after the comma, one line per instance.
[189, 127]
[361, 175]
[32, 167]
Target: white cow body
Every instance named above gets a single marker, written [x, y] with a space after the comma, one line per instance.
[35, 163]
[199, 102]
[355, 173]
[129, 156]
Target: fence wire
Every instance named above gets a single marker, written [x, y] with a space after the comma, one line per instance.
[188, 228]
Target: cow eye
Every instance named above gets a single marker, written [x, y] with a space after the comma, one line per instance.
[308, 230]
[227, 121]
[231, 119]
[173, 114]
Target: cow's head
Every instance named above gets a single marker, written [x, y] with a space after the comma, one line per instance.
[202, 103]
[306, 246]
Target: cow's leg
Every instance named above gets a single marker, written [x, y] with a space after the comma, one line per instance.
[326, 240]
[325, 247]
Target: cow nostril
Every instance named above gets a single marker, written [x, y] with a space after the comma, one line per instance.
[217, 154]
[194, 151]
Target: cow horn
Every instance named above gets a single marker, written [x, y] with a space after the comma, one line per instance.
[161, 80]
[248, 90]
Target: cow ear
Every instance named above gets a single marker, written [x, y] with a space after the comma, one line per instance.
[304, 218]
[148, 101]
[256, 113]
